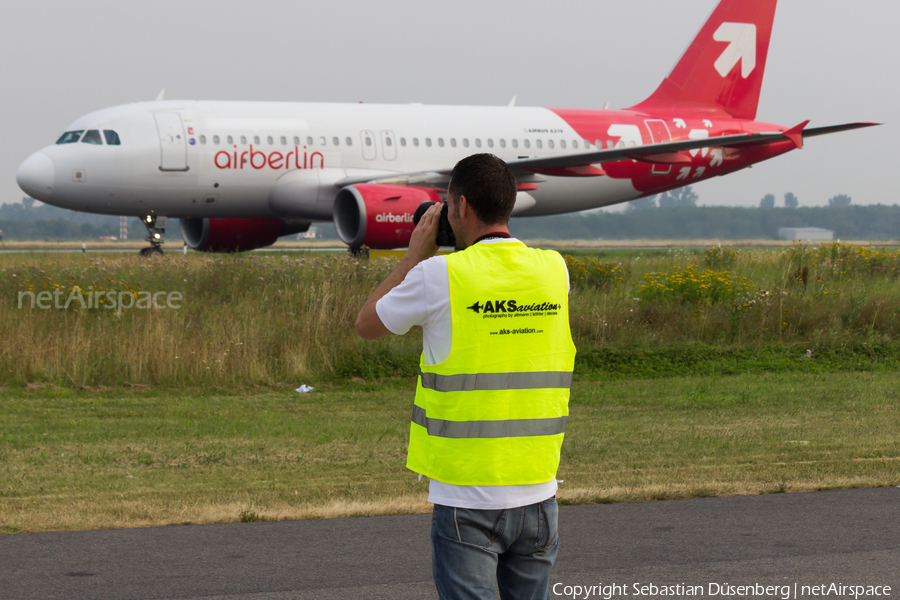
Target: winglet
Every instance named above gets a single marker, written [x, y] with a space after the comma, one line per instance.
[512, 102]
[795, 134]
[161, 95]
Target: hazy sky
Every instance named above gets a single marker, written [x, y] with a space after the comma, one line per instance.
[831, 61]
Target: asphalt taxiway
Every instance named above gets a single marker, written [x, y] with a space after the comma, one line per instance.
[783, 541]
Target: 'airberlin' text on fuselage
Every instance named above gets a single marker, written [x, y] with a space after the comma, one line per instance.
[392, 218]
[273, 160]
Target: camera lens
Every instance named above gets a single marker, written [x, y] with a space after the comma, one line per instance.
[445, 235]
[420, 210]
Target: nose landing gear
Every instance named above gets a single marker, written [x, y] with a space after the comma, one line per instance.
[156, 227]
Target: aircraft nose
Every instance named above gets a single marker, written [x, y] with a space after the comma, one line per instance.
[35, 176]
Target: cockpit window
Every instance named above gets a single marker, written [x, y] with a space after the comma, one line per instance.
[112, 138]
[70, 137]
[92, 137]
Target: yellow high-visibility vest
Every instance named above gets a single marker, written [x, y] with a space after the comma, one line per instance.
[495, 411]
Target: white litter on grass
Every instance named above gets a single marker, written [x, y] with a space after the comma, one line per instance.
[305, 389]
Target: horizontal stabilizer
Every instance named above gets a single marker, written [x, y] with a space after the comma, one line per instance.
[836, 129]
[795, 134]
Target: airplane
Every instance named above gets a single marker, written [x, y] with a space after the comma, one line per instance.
[240, 174]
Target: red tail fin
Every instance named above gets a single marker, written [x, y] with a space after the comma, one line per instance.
[723, 68]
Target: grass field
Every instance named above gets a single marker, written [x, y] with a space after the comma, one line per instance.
[93, 459]
[276, 320]
[170, 246]
[699, 372]
[283, 244]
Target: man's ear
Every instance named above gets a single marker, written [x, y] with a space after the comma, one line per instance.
[463, 205]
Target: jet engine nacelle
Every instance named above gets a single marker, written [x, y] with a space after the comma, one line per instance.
[378, 216]
[236, 235]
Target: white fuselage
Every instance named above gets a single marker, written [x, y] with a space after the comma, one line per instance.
[228, 159]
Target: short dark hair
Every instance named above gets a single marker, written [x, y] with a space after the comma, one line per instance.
[488, 185]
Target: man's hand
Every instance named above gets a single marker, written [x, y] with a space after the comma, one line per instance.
[422, 245]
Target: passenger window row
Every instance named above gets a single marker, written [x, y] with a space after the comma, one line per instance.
[283, 140]
[335, 141]
[91, 137]
[514, 143]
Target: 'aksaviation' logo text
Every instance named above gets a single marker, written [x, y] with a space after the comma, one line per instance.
[512, 306]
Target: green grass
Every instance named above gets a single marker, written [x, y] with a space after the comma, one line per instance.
[679, 360]
[271, 319]
[74, 459]
[756, 371]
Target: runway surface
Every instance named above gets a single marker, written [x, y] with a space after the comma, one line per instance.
[847, 537]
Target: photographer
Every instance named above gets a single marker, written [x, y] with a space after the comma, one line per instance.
[492, 398]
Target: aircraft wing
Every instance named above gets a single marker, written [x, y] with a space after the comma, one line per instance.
[586, 164]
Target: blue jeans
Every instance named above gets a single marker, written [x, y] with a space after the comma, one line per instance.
[473, 548]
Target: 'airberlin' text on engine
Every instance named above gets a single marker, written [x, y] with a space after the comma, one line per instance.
[392, 218]
[273, 160]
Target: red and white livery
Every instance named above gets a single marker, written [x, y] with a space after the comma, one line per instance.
[239, 174]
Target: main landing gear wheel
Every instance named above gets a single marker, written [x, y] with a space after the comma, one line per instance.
[156, 227]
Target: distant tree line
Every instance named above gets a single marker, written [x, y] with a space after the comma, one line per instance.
[686, 197]
[27, 211]
[65, 229]
[673, 215]
[877, 222]
[26, 221]
[56, 229]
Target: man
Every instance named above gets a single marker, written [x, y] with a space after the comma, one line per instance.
[492, 398]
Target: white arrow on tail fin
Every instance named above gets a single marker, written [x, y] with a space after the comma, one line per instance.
[699, 134]
[741, 48]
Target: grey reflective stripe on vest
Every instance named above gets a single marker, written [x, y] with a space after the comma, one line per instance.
[488, 429]
[534, 380]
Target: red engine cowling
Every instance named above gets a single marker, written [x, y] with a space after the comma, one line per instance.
[378, 216]
[235, 235]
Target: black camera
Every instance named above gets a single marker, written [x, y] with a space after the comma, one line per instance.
[445, 236]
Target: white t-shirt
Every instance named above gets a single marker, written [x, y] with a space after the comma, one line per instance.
[423, 298]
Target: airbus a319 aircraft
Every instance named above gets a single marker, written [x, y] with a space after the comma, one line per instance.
[240, 174]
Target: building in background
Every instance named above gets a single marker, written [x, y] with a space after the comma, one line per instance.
[812, 234]
[309, 234]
